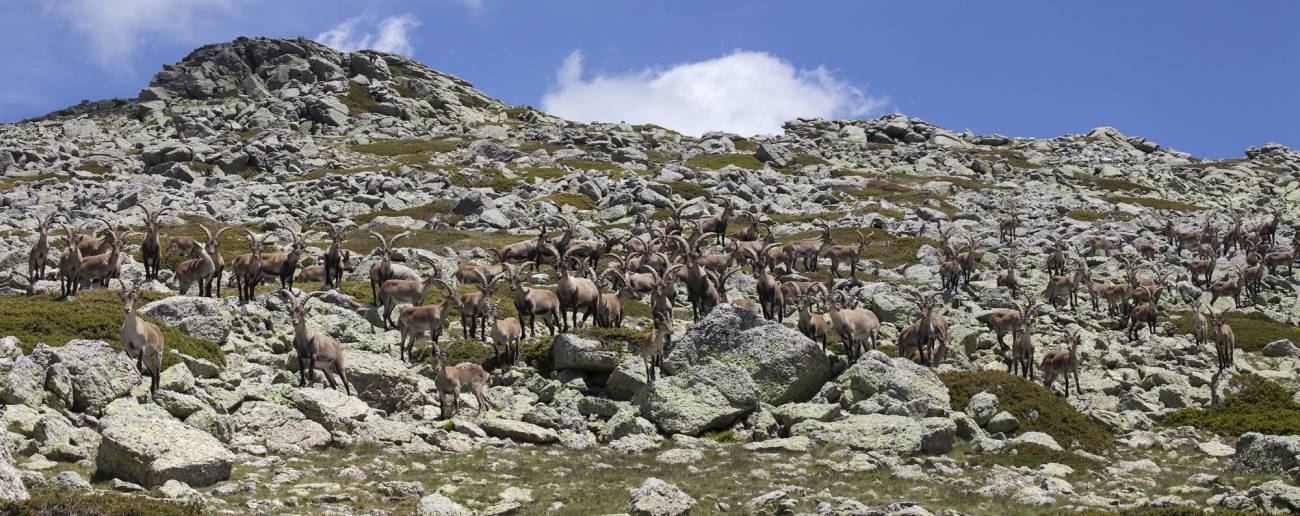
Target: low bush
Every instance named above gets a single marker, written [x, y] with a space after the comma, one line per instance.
[1037, 408]
[54, 500]
[1256, 404]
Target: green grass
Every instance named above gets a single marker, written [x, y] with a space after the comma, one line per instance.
[721, 436]
[1031, 456]
[544, 173]
[358, 99]
[320, 173]
[583, 164]
[745, 145]
[689, 189]
[440, 208]
[889, 250]
[1055, 416]
[614, 336]
[94, 168]
[1155, 204]
[245, 136]
[1253, 330]
[1259, 405]
[1090, 216]
[91, 315]
[56, 500]
[405, 147]
[723, 160]
[958, 181]
[1114, 185]
[576, 200]
[9, 183]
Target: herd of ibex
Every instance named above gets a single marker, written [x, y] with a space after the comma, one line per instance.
[656, 262]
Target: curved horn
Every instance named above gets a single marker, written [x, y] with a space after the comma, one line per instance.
[206, 232]
[223, 229]
[383, 242]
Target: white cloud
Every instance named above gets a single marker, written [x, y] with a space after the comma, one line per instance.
[474, 6]
[744, 92]
[392, 34]
[115, 28]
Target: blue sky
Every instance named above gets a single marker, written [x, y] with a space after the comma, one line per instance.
[1211, 78]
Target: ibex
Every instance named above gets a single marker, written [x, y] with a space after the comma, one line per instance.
[590, 251]
[1007, 227]
[574, 293]
[70, 265]
[415, 321]
[847, 253]
[718, 223]
[385, 269]
[450, 380]
[532, 302]
[1022, 349]
[967, 257]
[609, 310]
[40, 252]
[1004, 320]
[1226, 287]
[1008, 278]
[196, 270]
[467, 273]
[1098, 243]
[931, 328]
[1268, 228]
[1225, 342]
[246, 270]
[1203, 267]
[808, 250]
[473, 309]
[101, 268]
[1056, 259]
[150, 247]
[810, 325]
[531, 250]
[336, 258]
[142, 337]
[1200, 326]
[652, 344]
[1069, 285]
[315, 350]
[1143, 314]
[1063, 364]
[411, 292]
[506, 335]
[92, 244]
[1277, 259]
[770, 295]
[284, 265]
[856, 327]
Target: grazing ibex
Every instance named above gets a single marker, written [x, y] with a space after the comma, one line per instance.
[40, 252]
[415, 321]
[847, 253]
[857, 327]
[385, 269]
[451, 379]
[1062, 364]
[150, 247]
[411, 292]
[246, 270]
[70, 265]
[142, 337]
[532, 302]
[315, 349]
[1225, 342]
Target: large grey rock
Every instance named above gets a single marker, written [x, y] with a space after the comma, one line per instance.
[775, 154]
[658, 498]
[279, 427]
[11, 480]
[704, 397]
[572, 352]
[99, 373]
[982, 407]
[150, 450]
[1281, 348]
[438, 505]
[898, 385]
[382, 381]
[201, 317]
[784, 365]
[25, 383]
[331, 408]
[896, 435]
[518, 431]
[1260, 453]
[1276, 497]
[328, 111]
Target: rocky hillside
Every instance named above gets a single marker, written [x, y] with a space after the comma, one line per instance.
[285, 137]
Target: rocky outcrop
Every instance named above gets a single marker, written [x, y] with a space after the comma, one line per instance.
[877, 383]
[150, 450]
[99, 374]
[705, 397]
[201, 317]
[658, 498]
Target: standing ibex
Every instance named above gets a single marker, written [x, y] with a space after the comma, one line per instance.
[652, 344]
[811, 325]
[40, 252]
[807, 250]
[857, 327]
[150, 247]
[1008, 277]
[101, 268]
[1007, 227]
[609, 310]
[532, 302]
[1022, 349]
[451, 379]
[531, 250]
[284, 265]
[1056, 259]
[196, 270]
[574, 293]
[473, 309]
[506, 335]
[1200, 326]
[142, 337]
[932, 327]
[411, 292]
[335, 256]
[384, 269]
[92, 244]
[315, 350]
[1004, 320]
[467, 273]
[414, 321]
[70, 264]
[770, 295]
[718, 223]
[1226, 286]
[1268, 228]
[1069, 285]
[246, 270]
[847, 253]
[1063, 364]
[1143, 314]
[1225, 342]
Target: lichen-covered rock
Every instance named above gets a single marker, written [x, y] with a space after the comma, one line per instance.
[382, 381]
[11, 480]
[897, 435]
[202, 317]
[572, 352]
[785, 366]
[704, 397]
[658, 498]
[330, 407]
[25, 383]
[518, 431]
[1260, 453]
[151, 450]
[899, 385]
[99, 373]
[278, 427]
[438, 505]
